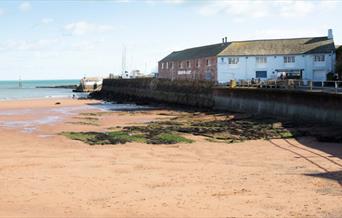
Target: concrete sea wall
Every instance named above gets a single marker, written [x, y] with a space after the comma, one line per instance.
[298, 105]
[182, 92]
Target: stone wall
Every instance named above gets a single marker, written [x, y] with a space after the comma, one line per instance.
[181, 92]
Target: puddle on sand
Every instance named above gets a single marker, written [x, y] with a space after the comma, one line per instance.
[50, 116]
[107, 106]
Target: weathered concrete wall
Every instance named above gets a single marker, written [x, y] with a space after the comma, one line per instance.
[298, 105]
[313, 106]
[183, 92]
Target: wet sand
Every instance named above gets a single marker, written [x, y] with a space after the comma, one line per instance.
[44, 174]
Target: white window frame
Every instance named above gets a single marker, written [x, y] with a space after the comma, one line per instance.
[261, 60]
[233, 60]
[319, 58]
[162, 65]
[289, 59]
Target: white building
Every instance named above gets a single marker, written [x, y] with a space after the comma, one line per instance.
[301, 58]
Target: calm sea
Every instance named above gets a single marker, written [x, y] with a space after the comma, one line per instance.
[10, 90]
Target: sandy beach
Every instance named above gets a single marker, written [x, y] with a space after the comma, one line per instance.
[45, 174]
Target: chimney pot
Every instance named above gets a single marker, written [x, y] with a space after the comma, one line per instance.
[222, 40]
[330, 34]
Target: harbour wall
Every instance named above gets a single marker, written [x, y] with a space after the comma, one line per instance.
[145, 90]
[297, 105]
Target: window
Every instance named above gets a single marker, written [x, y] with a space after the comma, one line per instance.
[222, 60]
[319, 58]
[261, 74]
[167, 65]
[208, 62]
[198, 63]
[181, 64]
[233, 60]
[261, 60]
[162, 65]
[171, 65]
[289, 59]
[188, 64]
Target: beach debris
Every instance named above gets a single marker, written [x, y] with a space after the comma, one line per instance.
[57, 103]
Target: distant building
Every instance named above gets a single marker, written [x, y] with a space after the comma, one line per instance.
[88, 84]
[299, 58]
[198, 63]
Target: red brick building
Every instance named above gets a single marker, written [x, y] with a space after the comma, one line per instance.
[198, 63]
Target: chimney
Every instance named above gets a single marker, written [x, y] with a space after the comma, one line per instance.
[330, 34]
[225, 39]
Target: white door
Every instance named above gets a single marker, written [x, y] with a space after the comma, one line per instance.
[319, 75]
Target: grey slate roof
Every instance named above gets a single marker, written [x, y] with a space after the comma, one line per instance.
[279, 47]
[198, 52]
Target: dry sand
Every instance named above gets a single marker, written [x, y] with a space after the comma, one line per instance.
[43, 174]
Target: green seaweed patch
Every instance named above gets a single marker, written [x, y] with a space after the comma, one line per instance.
[168, 138]
[122, 137]
[103, 138]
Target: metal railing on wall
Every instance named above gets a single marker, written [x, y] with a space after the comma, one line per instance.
[289, 84]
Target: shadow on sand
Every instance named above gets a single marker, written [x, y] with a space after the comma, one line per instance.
[336, 176]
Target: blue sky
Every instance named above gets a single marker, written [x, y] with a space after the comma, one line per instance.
[70, 39]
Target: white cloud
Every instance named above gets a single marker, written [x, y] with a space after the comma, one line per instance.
[83, 27]
[25, 6]
[236, 8]
[240, 10]
[295, 8]
[28, 45]
[47, 20]
[174, 1]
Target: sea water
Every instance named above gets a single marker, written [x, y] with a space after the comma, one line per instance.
[11, 90]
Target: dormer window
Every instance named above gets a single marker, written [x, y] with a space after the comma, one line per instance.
[319, 58]
[289, 59]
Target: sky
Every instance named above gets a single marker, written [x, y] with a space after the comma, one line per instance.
[70, 39]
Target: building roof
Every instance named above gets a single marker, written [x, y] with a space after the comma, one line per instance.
[198, 52]
[279, 47]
